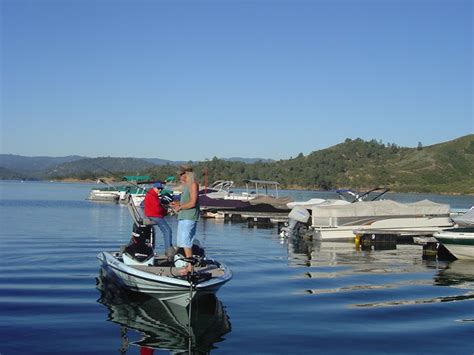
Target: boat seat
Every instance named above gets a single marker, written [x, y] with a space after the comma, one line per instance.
[139, 252]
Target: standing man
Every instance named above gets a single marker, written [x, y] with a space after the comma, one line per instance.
[188, 213]
[156, 212]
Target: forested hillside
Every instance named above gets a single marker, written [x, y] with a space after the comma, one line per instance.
[93, 168]
[442, 168]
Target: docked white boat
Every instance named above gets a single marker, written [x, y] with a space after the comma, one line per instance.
[220, 189]
[134, 186]
[346, 197]
[465, 219]
[262, 197]
[458, 241]
[119, 192]
[105, 195]
[316, 202]
[340, 222]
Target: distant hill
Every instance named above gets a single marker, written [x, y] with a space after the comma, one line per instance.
[20, 163]
[441, 168]
[248, 160]
[7, 174]
[157, 161]
[97, 167]
[75, 166]
[445, 167]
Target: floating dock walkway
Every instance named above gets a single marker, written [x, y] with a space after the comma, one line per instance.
[264, 219]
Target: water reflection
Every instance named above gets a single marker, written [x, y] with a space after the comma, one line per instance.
[468, 296]
[457, 273]
[346, 257]
[164, 325]
[308, 252]
[378, 278]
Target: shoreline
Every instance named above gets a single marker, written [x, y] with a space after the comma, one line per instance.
[292, 188]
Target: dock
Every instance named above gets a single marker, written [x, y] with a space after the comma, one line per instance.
[259, 219]
[364, 239]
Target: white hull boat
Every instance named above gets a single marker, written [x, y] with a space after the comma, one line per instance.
[346, 197]
[458, 241]
[104, 195]
[138, 268]
[165, 282]
[298, 217]
[466, 219]
[316, 202]
[255, 199]
[342, 222]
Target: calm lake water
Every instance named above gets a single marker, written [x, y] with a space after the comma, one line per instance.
[286, 297]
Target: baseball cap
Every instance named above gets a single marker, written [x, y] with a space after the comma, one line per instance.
[158, 185]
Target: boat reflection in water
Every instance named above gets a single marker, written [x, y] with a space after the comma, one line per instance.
[165, 325]
[458, 273]
[336, 268]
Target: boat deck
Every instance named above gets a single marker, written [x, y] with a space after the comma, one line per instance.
[170, 271]
[249, 217]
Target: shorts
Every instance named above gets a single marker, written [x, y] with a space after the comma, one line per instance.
[186, 232]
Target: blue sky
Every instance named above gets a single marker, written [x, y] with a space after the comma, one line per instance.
[190, 80]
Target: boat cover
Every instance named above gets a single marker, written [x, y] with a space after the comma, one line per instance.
[381, 208]
[277, 202]
[467, 219]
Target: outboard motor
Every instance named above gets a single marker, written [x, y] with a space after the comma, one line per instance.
[140, 249]
[297, 219]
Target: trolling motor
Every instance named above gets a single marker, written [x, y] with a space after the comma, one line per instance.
[196, 260]
[139, 250]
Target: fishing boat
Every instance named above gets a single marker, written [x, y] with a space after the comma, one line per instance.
[458, 241]
[162, 279]
[138, 268]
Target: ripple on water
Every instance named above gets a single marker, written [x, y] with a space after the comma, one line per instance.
[286, 297]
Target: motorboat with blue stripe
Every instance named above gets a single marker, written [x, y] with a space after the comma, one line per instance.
[137, 267]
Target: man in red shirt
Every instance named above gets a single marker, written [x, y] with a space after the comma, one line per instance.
[156, 212]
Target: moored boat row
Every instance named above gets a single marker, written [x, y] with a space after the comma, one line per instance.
[328, 219]
[133, 185]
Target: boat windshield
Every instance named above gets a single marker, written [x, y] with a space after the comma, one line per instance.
[262, 186]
